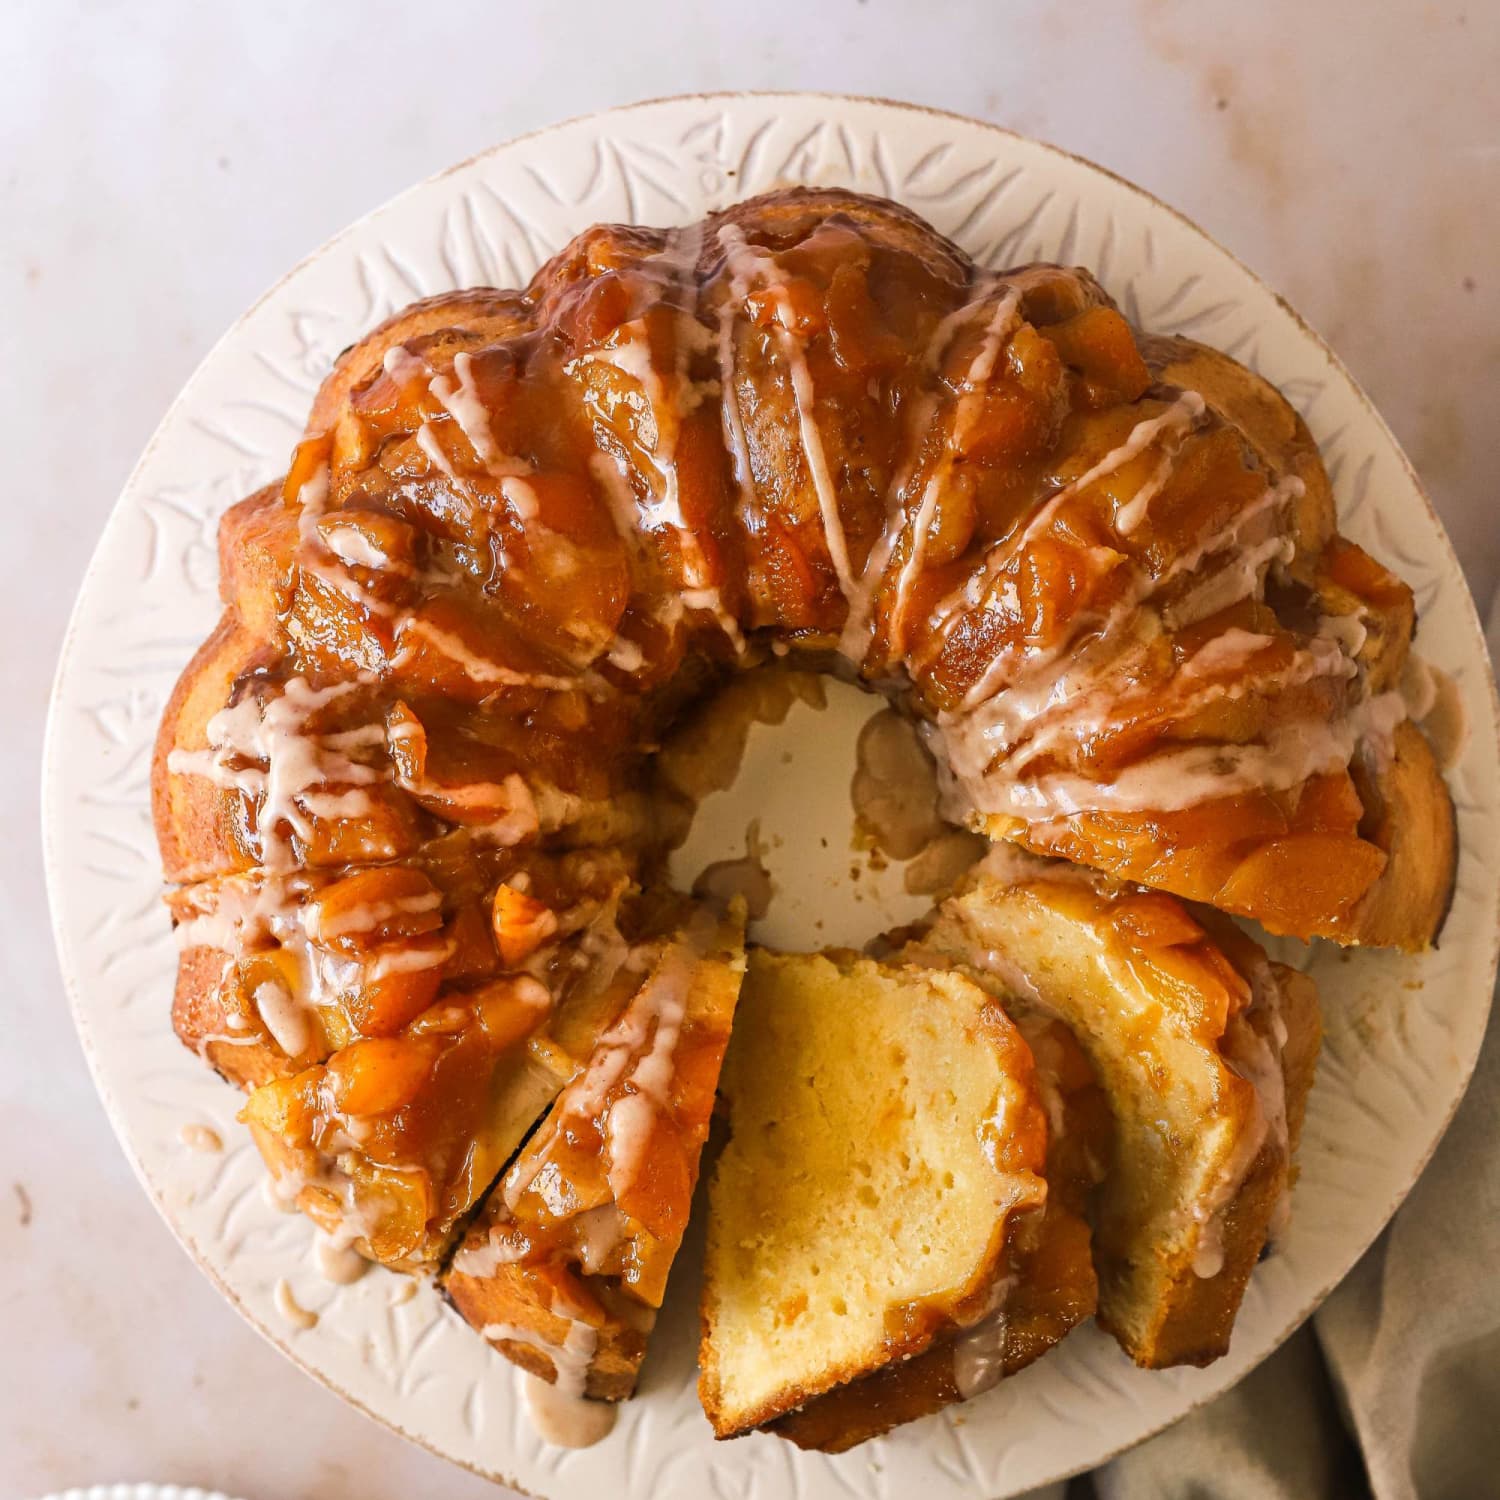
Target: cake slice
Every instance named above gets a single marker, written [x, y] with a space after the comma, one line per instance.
[886, 1142]
[1052, 1286]
[566, 1266]
[1206, 1052]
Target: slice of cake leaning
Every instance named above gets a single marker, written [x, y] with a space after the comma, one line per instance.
[566, 1266]
[878, 1199]
[1205, 1050]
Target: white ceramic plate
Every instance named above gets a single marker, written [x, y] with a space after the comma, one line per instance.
[1402, 1033]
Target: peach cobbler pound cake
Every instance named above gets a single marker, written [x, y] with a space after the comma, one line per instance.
[409, 807]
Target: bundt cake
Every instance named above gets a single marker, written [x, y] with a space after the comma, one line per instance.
[887, 1140]
[410, 800]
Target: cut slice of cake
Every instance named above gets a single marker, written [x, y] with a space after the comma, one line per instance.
[1051, 1289]
[565, 1268]
[1206, 1052]
[886, 1144]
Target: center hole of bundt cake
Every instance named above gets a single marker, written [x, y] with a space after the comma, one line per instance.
[817, 802]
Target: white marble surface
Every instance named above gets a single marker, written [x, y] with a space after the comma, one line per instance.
[161, 163]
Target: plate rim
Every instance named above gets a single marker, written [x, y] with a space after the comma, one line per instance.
[51, 772]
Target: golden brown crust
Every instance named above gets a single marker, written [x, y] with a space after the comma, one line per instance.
[517, 1314]
[1265, 418]
[1408, 814]
[257, 561]
[202, 832]
[202, 1024]
[448, 320]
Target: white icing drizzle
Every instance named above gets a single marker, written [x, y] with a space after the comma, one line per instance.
[242, 911]
[359, 1211]
[460, 399]
[988, 748]
[292, 1312]
[1031, 703]
[336, 1259]
[1171, 780]
[729, 406]
[477, 668]
[1228, 539]
[625, 654]
[749, 265]
[1183, 413]
[521, 497]
[287, 1022]
[404, 367]
[482, 1260]
[1174, 421]
[350, 545]
[247, 912]
[562, 1420]
[635, 1055]
[597, 1233]
[1093, 707]
[313, 546]
[274, 731]
[366, 916]
[630, 354]
[410, 958]
[979, 1351]
[519, 816]
[1239, 578]
[1003, 323]
[854, 639]
[202, 1138]
[427, 441]
[354, 803]
[312, 505]
[570, 1359]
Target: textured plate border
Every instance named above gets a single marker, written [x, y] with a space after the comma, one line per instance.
[1403, 1033]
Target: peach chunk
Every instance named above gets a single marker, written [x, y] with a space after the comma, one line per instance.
[400, 982]
[374, 907]
[1290, 883]
[522, 924]
[379, 1075]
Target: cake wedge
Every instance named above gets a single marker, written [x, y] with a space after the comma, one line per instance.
[886, 1145]
[564, 1269]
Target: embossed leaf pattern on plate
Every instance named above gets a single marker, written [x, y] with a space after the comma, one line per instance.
[1402, 1033]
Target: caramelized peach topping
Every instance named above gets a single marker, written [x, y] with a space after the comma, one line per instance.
[522, 924]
